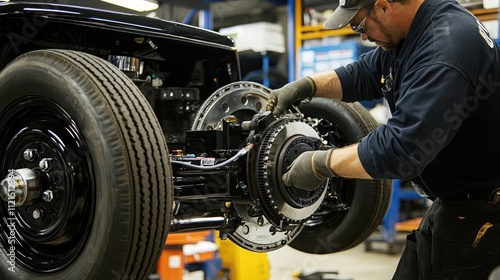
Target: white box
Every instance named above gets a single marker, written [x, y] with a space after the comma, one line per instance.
[259, 37]
[489, 4]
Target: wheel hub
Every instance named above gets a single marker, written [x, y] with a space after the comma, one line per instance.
[21, 186]
[295, 146]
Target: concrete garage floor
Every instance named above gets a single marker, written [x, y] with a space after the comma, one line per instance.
[354, 264]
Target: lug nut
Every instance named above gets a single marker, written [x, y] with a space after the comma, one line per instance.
[48, 195]
[37, 214]
[45, 164]
[29, 154]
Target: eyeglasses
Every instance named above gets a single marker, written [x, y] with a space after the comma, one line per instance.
[360, 28]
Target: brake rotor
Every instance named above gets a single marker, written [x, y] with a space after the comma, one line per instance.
[282, 143]
[285, 209]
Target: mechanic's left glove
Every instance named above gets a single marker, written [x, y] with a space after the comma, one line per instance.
[290, 94]
[309, 170]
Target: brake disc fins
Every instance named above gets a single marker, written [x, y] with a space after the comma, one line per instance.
[243, 99]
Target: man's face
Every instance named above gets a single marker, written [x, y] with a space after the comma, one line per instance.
[378, 28]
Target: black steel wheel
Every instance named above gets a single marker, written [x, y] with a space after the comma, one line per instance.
[81, 139]
[355, 207]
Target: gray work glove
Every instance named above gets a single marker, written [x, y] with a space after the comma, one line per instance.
[309, 170]
[290, 94]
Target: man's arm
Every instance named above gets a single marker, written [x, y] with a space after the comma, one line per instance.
[345, 163]
[327, 85]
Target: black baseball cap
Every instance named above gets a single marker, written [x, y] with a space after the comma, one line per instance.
[345, 12]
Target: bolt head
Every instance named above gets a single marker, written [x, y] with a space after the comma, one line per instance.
[48, 195]
[245, 229]
[28, 154]
[37, 214]
[45, 164]
[260, 221]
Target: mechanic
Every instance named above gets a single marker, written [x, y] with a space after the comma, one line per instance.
[439, 71]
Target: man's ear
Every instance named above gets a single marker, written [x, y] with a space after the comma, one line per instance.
[382, 6]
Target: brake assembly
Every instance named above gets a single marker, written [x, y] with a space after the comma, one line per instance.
[270, 214]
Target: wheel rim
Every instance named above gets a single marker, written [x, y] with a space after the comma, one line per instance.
[49, 235]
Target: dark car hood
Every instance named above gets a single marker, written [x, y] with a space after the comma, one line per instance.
[117, 21]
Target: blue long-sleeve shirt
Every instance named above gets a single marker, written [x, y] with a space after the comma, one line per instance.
[442, 84]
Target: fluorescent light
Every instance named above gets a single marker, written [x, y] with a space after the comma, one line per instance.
[137, 5]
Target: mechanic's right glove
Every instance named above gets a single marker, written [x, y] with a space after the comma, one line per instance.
[309, 170]
[290, 94]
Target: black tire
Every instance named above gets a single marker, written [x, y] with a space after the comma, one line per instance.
[333, 230]
[115, 190]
